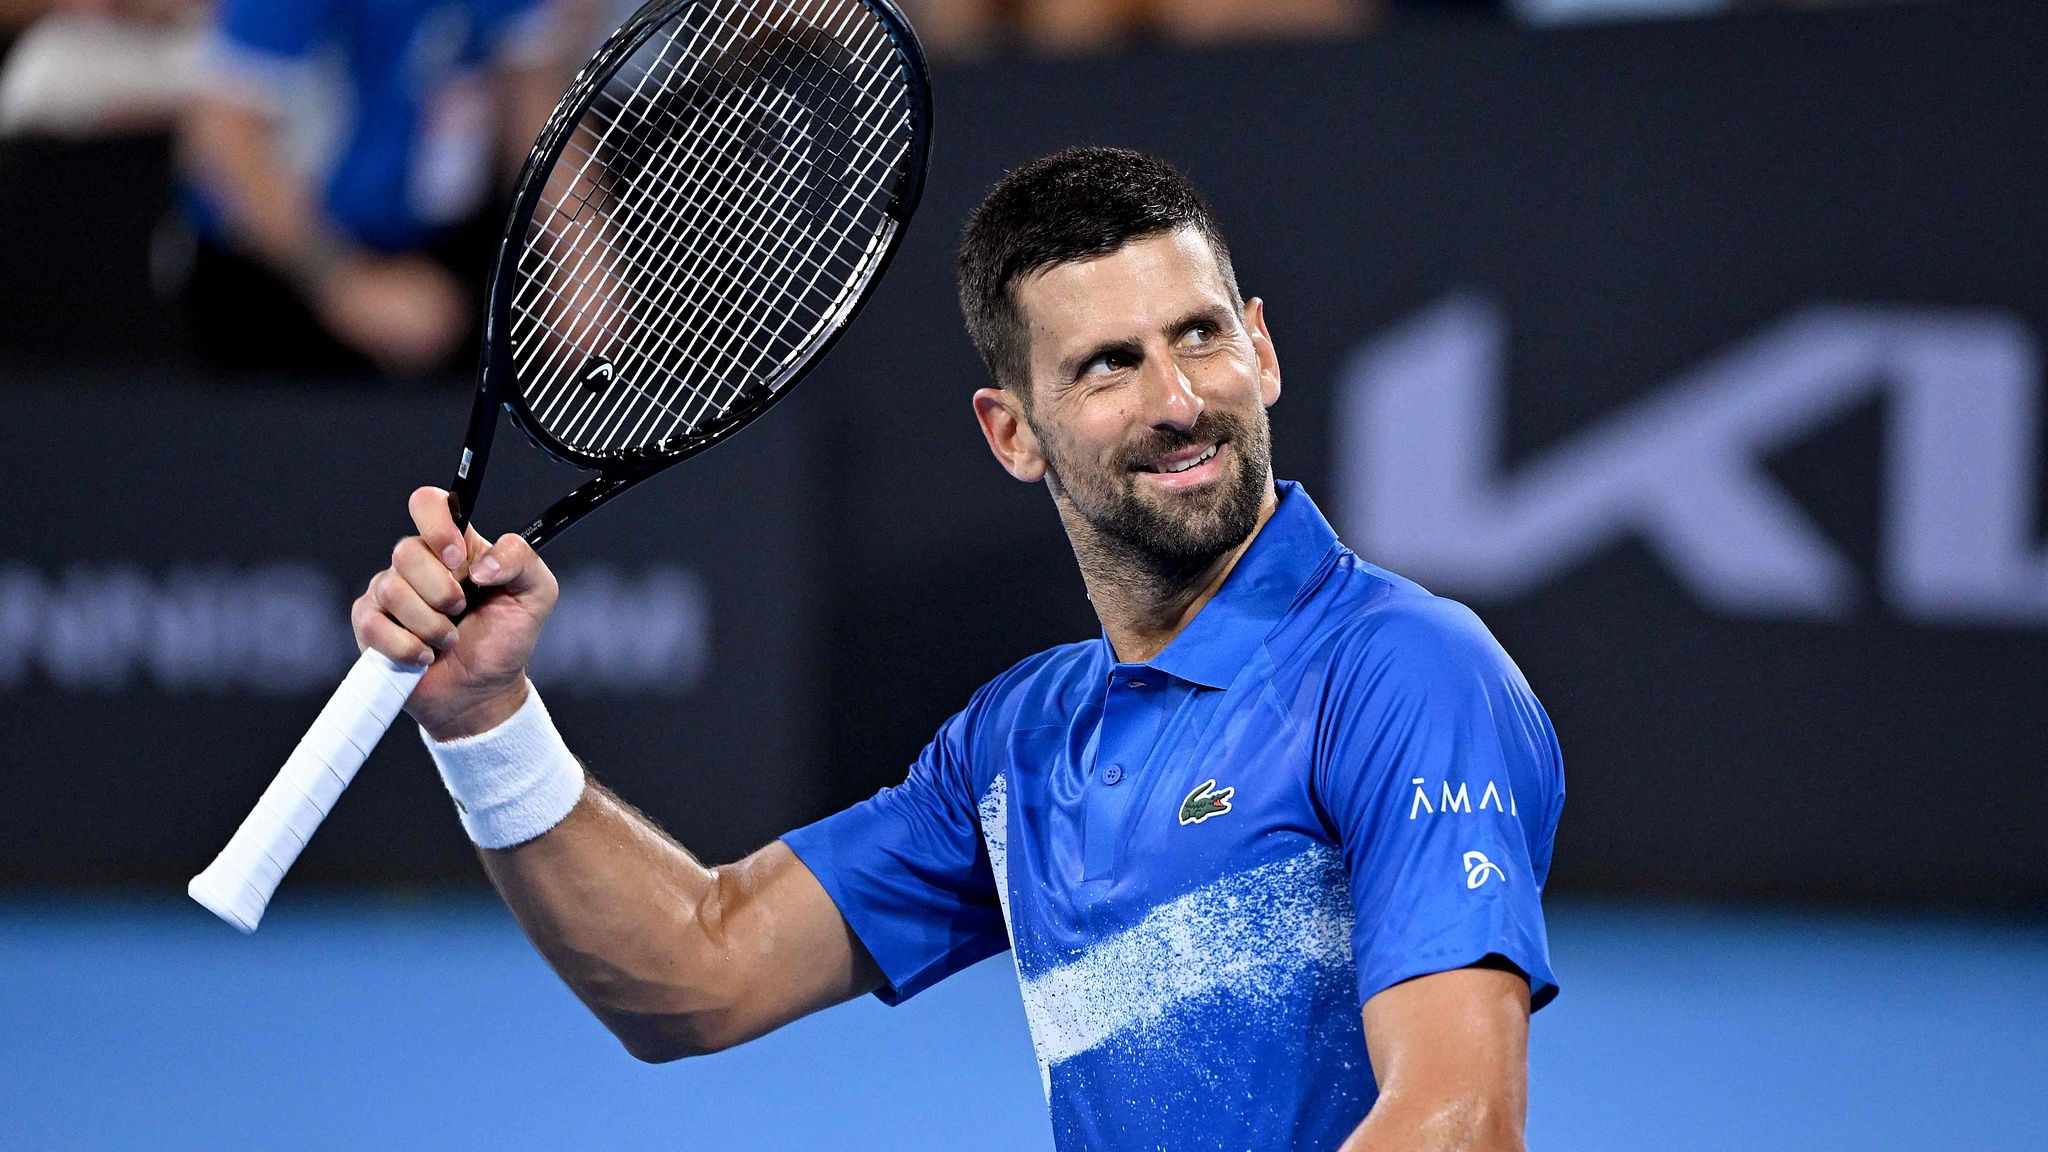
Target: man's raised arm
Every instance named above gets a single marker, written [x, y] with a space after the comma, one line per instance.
[677, 959]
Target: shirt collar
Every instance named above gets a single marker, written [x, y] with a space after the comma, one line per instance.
[1222, 637]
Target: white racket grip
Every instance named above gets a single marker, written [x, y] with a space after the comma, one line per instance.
[238, 885]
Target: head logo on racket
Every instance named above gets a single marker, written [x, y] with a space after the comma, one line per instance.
[597, 374]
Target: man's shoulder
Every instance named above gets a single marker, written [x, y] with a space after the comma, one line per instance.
[1369, 615]
[1042, 689]
[1045, 678]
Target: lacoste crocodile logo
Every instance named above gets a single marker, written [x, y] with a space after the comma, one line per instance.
[1205, 801]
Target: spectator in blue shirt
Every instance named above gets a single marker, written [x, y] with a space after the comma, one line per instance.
[342, 167]
[1268, 853]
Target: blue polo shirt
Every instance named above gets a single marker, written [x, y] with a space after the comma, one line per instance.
[1330, 782]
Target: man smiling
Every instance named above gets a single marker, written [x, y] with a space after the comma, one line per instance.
[1269, 852]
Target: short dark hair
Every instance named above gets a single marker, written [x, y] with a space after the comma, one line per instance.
[1074, 204]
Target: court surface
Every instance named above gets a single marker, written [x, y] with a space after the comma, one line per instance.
[143, 1023]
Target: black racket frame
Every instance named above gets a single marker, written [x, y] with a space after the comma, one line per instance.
[618, 471]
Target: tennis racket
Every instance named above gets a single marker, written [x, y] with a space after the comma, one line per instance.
[713, 200]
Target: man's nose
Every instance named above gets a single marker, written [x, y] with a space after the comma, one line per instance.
[1169, 397]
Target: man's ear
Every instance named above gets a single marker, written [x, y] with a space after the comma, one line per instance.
[1009, 435]
[1262, 347]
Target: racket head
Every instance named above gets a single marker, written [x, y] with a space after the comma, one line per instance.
[714, 199]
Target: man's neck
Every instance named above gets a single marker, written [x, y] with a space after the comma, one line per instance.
[1142, 604]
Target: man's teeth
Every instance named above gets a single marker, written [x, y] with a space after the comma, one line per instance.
[1204, 458]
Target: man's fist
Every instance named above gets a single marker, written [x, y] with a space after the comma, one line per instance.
[477, 668]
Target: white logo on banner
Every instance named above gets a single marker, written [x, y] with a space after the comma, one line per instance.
[283, 629]
[619, 634]
[1420, 427]
[270, 630]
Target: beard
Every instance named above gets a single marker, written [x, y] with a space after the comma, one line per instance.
[1170, 535]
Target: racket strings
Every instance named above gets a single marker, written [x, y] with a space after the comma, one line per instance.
[782, 216]
[773, 227]
[679, 295]
[582, 275]
[778, 196]
[711, 220]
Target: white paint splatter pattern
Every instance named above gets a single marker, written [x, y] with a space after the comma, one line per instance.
[994, 811]
[1259, 937]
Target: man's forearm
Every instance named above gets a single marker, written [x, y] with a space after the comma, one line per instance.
[677, 959]
[620, 911]
[232, 151]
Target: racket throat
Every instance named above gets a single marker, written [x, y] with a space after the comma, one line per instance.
[594, 492]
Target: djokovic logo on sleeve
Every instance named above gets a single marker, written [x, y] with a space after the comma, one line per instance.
[1477, 867]
[1205, 801]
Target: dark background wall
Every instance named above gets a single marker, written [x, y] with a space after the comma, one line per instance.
[172, 619]
[1631, 202]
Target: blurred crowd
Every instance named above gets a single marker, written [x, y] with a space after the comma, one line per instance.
[971, 28]
[342, 163]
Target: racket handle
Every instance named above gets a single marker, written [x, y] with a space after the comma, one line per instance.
[238, 885]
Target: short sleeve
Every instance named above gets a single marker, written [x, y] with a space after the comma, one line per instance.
[282, 29]
[908, 869]
[526, 32]
[260, 52]
[1441, 776]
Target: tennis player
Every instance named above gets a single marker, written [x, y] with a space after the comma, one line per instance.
[1268, 852]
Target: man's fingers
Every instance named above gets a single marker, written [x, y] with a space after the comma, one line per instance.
[436, 524]
[402, 602]
[427, 574]
[376, 630]
[513, 565]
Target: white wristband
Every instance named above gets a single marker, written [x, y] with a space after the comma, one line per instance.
[513, 782]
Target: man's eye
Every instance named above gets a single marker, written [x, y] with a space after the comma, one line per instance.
[1198, 335]
[1112, 362]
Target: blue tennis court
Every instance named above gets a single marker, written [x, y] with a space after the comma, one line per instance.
[393, 1023]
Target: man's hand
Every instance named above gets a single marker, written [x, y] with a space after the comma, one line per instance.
[1451, 1054]
[406, 313]
[477, 677]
